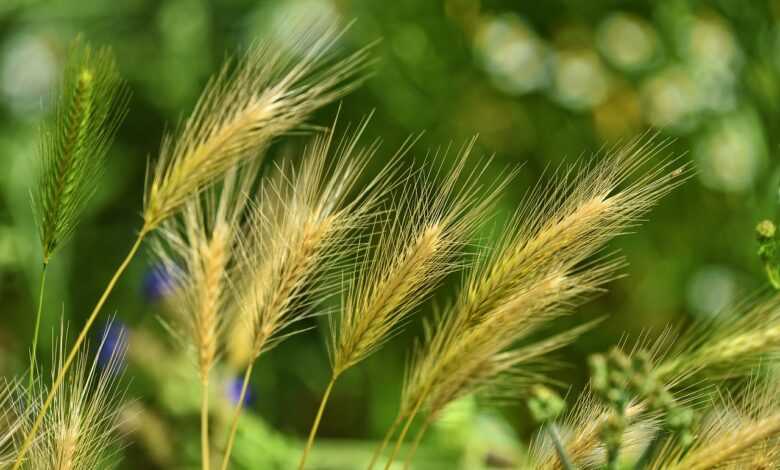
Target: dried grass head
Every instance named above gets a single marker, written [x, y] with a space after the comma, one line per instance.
[580, 435]
[243, 108]
[79, 430]
[433, 222]
[299, 232]
[541, 268]
[14, 418]
[740, 431]
[197, 249]
[731, 344]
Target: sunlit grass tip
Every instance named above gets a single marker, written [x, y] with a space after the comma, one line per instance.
[266, 93]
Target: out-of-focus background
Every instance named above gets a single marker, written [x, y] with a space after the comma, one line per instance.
[540, 82]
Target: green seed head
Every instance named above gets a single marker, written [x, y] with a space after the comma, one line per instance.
[545, 405]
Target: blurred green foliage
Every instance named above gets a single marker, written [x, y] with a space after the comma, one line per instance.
[540, 82]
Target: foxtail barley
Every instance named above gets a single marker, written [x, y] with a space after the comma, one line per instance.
[80, 428]
[730, 445]
[581, 434]
[196, 248]
[535, 275]
[413, 255]
[13, 419]
[298, 233]
[90, 105]
[263, 265]
[242, 110]
[739, 433]
[237, 116]
[731, 344]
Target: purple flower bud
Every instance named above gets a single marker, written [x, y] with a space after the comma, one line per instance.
[233, 391]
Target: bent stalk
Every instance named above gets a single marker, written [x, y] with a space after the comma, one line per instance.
[416, 443]
[385, 441]
[316, 425]
[405, 429]
[28, 440]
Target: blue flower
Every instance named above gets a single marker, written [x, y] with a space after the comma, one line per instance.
[158, 282]
[233, 391]
[113, 345]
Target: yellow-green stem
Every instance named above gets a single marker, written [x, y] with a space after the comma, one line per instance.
[405, 429]
[416, 443]
[236, 415]
[75, 349]
[34, 347]
[316, 425]
[204, 425]
[385, 441]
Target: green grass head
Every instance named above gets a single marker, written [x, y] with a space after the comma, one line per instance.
[87, 110]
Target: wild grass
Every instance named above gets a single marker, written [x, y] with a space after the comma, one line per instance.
[730, 344]
[88, 108]
[537, 273]
[263, 248]
[580, 435]
[239, 113]
[80, 429]
[301, 228]
[196, 249]
[416, 249]
[737, 432]
[242, 109]
[13, 418]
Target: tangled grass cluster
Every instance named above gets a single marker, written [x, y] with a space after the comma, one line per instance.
[261, 254]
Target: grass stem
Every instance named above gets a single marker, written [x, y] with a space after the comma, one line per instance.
[405, 429]
[416, 443]
[385, 441]
[34, 347]
[55, 387]
[552, 431]
[204, 425]
[647, 455]
[236, 416]
[316, 424]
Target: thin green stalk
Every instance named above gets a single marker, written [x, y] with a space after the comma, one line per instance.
[650, 450]
[236, 415]
[385, 441]
[34, 347]
[55, 387]
[614, 442]
[613, 457]
[552, 431]
[405, 429]
[416, 443]
[316, 425]
[204, 425]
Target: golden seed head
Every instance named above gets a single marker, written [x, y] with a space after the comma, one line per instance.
[537, 273]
